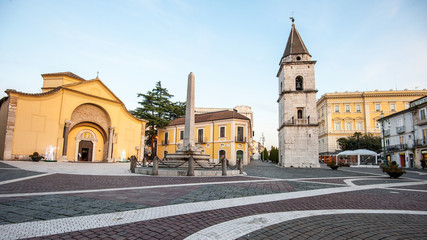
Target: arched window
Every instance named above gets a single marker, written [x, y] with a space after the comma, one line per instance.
[299, 113]
[299, 84]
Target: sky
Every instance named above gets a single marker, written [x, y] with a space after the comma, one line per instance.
[233, 47]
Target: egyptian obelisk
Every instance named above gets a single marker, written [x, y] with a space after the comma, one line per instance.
[189, 115]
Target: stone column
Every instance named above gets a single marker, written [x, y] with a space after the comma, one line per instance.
[65, 145]
[189, 114]
[110, 144]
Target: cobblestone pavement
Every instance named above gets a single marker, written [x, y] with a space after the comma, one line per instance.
[280, 203]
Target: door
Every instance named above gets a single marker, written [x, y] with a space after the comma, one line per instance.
[402, 161]
[222, 154]
[85, 151]
[239, 156]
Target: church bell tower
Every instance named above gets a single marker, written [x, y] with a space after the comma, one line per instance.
[298, 128]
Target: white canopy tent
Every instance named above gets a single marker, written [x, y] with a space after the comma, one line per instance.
[358, 153]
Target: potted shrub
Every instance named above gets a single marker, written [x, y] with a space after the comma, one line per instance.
[333, 165]
[36, 157]
[393, 170]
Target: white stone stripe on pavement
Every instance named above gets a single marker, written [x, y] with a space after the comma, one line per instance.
[24, 178]
[242, 226]
[57, 226]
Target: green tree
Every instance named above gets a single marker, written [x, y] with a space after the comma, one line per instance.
[360, 141]
[264, 154]
[274, 154]
[158, 109]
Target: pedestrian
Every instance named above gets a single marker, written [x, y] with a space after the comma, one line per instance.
[423, 163]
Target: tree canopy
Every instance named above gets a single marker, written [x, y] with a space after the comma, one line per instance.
[158, 109]
[360, 141]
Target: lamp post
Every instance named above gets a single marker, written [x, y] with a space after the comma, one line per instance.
[383, 133]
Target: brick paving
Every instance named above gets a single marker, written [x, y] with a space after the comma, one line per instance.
[89, 203]
[348, 226]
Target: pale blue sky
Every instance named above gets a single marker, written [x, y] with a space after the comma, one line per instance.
[233, 47]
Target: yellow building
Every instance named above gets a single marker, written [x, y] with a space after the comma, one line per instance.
[82, 120]
[218, 133]
[343, 114]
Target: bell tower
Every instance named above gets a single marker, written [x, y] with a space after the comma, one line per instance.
[298, 127]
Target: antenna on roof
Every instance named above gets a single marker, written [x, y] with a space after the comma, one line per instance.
[97, 73]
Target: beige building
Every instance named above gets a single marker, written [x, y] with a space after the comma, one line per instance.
[223, 133]
[343, 114]
[82, 120]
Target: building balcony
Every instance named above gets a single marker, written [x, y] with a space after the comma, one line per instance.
[421, 143]
[419, 122]
[240, 139]
[398, 147]
[400, 129]
[387, 132]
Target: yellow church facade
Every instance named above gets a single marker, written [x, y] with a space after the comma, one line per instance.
[341, 114]
[224, 133]
[81, 120]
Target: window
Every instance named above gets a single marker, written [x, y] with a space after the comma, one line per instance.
[422, 114]
[181, 135]
[337, 108]
[359, 126]
[387, 142]
[392, 107]
[406, 105]
[222, 132]
[377, 107]
[402, 139]
[166, 137]
[347, 108]
[299, 113]
[357, 108]
[400, 122]
[240, 134]
[348, 126]
[299, 84]
[337, 126]
[200, 136]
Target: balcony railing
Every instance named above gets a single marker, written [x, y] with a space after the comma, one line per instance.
[387, 132]
[400, 129]
[240, 139]
[421, 142]
[298, 121]
[397, 147]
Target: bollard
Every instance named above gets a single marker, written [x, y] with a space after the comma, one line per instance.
[144, 161]
[240, 166]
[224, 167]
[155, 166]
[190, 171]
[132, 164]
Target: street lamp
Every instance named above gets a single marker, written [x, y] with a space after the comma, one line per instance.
[383, 132]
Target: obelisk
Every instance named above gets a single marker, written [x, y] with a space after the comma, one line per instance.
[189, 116]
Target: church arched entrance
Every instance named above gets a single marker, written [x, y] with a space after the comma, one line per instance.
[85, 151]
[86, 142]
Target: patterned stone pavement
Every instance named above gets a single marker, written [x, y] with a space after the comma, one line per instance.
[269, 203]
